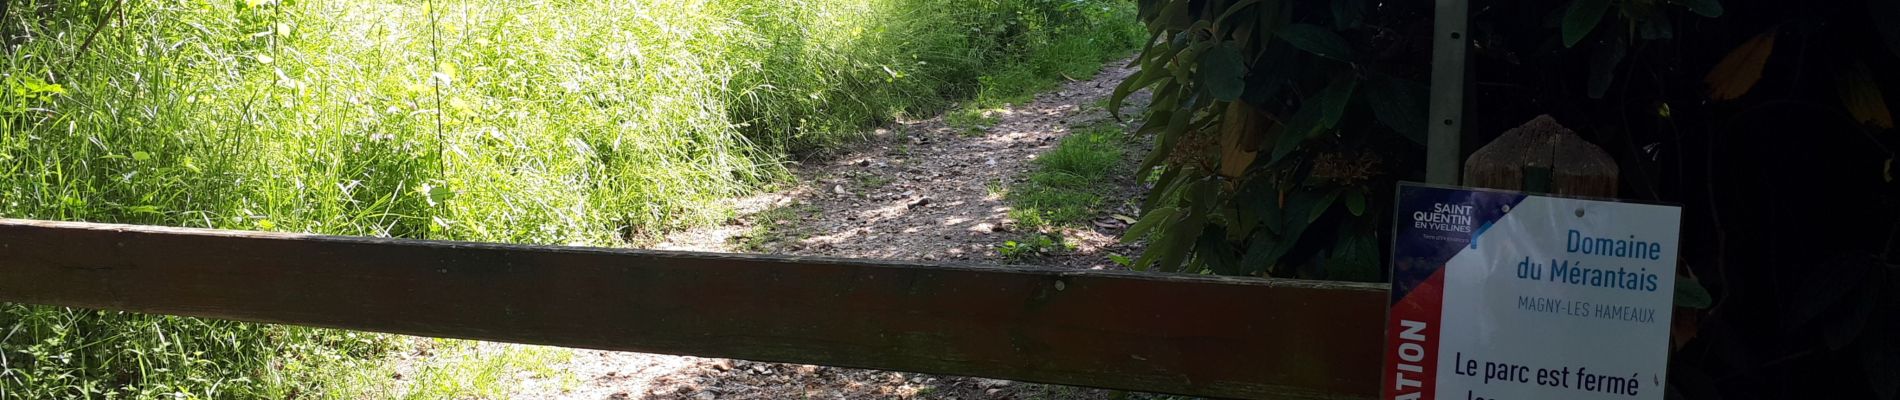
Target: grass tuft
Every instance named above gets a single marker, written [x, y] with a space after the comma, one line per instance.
[1069, 181]
[775, 226]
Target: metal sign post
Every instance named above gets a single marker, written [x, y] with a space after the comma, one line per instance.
[1448, 92]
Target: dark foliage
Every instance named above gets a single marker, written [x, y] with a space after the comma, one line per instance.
[1766, 120]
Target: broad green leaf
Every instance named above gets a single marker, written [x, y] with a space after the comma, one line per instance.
[1158, 196]
[1320, 113]
[1223, 215]
[1355, 256]
[141, 156]
[1690, 293]
[1155, 121]
[1163, 53]
[1707, 8]
[1398, 104]
[1214, 252]
[1154, 42]
[1183, 64]
[1333, 101]
[1177, 125]
[1129, 86]
[1239, 229]
[1278, 249]
[1273, 16]
[1148, 221]
[1201, 102]
[1147, 257]
[1582, 17]
[1171, 247]
[1221, 71]
[1181, 241]
[1603, 63]
[1657, 27]
[1173, 16]
[1146, 10]
[1237, 7]
[1167, 96]
[1251, 202]
[1296, 218]
[1240, 31]
[1298, 129]
[1265, 79]
[1347, 14]
[1317, 40]
[1319, 207]
[1356, 203]
[1259, 249]
[1203, 195]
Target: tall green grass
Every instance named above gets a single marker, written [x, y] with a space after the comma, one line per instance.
[587, 122]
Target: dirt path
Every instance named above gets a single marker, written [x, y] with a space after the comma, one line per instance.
[921, 190]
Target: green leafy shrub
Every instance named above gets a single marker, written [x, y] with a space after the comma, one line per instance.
[1277, 120]
[1283, 124]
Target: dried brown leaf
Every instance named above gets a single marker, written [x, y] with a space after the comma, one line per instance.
[1861, 95]
[1741, 68]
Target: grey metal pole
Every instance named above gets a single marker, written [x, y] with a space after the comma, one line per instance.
[1448, 91]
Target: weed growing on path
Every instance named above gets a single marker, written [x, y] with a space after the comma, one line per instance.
[1069, 181]
[1065, 189]
[775, 226]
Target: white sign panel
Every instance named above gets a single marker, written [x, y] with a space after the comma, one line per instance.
[1504, 295]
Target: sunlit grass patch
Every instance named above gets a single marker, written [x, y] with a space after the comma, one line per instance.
[775, 226]
[1069, 182]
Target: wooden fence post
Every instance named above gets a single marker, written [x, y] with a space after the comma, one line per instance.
[1542, 156]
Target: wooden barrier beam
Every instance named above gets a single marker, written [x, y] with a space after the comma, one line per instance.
[1194, 335]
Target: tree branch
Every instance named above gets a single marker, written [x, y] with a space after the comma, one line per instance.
[104, 19]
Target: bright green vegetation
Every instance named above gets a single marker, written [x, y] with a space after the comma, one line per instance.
[554, 122]
[164, 357]
[870, 181]
[1069, 181]
[1065, 189]
[459, 370]
[1033, 245]
[775, 225]
[971, 121]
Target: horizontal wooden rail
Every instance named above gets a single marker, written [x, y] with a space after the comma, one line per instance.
[1194, 335]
